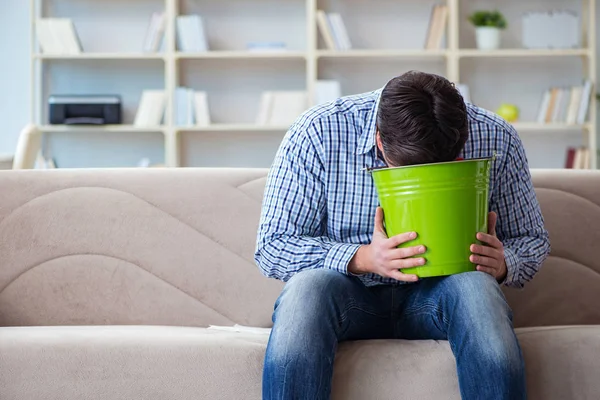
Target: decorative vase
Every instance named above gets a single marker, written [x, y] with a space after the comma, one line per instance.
[488, 37]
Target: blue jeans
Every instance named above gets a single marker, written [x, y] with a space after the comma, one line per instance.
[319, 308]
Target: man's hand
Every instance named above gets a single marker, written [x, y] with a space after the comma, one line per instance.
[383, 257]
[490, 257]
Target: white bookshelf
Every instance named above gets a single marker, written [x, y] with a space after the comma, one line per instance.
[234, 77]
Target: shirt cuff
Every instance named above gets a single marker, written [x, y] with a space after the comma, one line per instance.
[512, 269]
[339, 255]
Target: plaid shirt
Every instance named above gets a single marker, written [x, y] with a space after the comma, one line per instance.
[319, 204]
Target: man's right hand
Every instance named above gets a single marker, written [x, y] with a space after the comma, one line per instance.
[383, 257]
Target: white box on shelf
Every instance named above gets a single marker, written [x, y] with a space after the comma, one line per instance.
[557, 29]
[326, 91]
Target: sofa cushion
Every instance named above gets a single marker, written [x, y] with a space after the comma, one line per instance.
[151, 362]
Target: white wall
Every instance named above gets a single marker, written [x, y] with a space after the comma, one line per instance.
[15, 90]
[96, 150]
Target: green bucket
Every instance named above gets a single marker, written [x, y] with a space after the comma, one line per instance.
[445, 203]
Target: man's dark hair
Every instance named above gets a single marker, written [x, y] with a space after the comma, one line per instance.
[422, 118]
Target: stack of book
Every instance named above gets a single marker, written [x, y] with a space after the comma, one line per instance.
[333, 30]
[155, 32]
[191, 107]
[57, 36]
[568, 105]
[151, 109]
[578, 158]
[281, 108]
[437, 27]
[191, 35]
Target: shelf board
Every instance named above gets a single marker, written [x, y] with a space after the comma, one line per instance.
[242, 54]
[100, 128]
[552, 127]
[233, 128]
[381, 53]
[102, 56]
[523, 53]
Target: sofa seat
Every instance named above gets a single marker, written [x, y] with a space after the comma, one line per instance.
[156, 362]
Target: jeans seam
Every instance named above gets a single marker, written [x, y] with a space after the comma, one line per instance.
[432, 309]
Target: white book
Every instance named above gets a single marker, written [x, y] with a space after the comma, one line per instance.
[341, 32]
[183, 106]
[265, 107]
[64, 29]
[151, 108]
[327, 91]
[544, 106]
[49, 43]
[337, 39]
[201, 109]
[325, 29]
[151, 32]
[190, 34]
[287, 107]
[557, 105]
[155, 32]
[585, 102]
[574, 101]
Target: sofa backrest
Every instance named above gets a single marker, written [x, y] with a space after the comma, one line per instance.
[176, 246]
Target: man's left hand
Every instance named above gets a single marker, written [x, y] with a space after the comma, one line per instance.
[489, 257]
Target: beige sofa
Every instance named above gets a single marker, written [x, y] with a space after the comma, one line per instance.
[108, 279]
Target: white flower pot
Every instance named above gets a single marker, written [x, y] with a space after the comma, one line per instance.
[488, 38]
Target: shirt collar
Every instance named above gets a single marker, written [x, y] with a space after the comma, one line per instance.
[366, 141]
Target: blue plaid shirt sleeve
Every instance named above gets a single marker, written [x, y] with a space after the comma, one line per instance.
[520, 224]
[292, 229]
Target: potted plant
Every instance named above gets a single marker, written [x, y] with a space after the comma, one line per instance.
[488, 25]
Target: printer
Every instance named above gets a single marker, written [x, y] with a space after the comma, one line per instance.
[84, 109]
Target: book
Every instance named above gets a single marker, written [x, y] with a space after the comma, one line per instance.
[327, 91]
[340, 33]
[151, 108]
[584, 103]
[287, 107]
[57, 36]
[264, 111]
[574, 100]
[65, 30]
[201, 110]
[281, 107]
[155, 32]
[190, 34]
[570, 158]
[437, 27]
[325, 29]
[184, 106]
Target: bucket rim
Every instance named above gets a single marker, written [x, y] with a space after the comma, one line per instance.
[377, 169]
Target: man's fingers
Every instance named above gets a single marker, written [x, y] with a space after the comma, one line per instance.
[492, 218]
[379, 221]
[407, 263]
[489, 239]
[399, 276]
[484, 261]
[398, 254]
[484, 250]
[397, 240]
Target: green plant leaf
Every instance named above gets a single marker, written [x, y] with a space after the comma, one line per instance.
[493, 19]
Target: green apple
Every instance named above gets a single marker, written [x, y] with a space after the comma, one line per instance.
[509, 112]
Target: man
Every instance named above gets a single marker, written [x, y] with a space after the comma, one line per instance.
[317, 234]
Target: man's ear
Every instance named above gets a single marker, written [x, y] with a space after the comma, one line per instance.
[378, 141]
